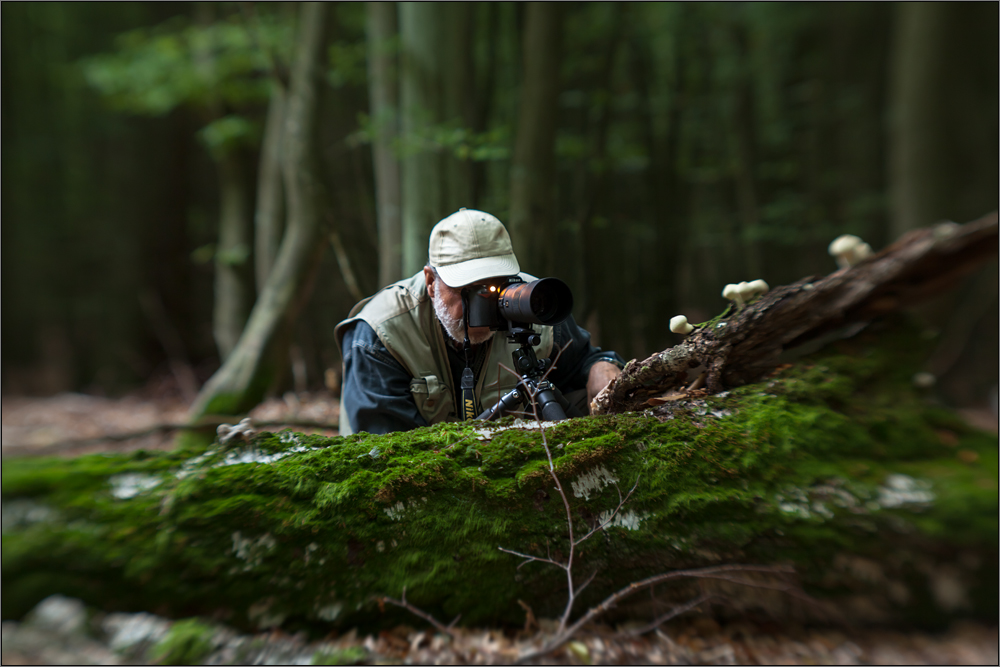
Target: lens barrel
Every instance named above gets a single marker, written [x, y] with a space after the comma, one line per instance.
[547, 301]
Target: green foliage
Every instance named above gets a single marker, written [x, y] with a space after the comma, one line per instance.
[464, 143]
[177, 64]
[226, 133]
[347, 66]
[187, 643]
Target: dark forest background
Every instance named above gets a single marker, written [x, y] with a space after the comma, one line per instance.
[646, 153]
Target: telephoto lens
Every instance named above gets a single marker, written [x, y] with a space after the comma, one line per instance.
[547, 301]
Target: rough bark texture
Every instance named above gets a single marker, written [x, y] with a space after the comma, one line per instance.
[741, 346]
[246, 374]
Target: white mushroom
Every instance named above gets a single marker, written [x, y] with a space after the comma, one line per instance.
[843, 249]
[734, 293]
[755, 288]
[679, 324]
[861, 252]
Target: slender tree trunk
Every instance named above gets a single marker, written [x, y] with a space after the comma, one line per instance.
[458, 103]
[233, 269]
[918, 66]
[532, 176]
[746, 156]
[270, 214]
[382, 91]
[486, 78]
[435, 60]
[420, 92]
[249, 370]
[659, 86]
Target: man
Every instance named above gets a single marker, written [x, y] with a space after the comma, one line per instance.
[403, 347]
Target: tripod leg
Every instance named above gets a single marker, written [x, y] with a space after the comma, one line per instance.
[550, 403]
[510, 402]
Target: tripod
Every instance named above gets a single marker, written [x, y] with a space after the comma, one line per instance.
[531, 389]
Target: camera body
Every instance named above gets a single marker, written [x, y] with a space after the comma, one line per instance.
[516, 303]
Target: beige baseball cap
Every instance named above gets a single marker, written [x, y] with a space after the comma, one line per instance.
[469, 246]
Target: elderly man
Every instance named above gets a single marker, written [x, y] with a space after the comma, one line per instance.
[403, 347]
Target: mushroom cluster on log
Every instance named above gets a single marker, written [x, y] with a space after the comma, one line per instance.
[745, 344]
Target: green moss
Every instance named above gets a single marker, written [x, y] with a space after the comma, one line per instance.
[187, 643]
[352, 655]
[798, 468]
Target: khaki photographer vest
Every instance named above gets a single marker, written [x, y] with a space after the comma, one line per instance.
[403, 318]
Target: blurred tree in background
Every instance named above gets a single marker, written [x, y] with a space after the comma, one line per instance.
[647, 153]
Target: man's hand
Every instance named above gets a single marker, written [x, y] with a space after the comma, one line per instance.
[601, 373]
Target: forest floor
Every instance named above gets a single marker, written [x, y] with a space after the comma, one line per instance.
[75, 424]
[62, 631]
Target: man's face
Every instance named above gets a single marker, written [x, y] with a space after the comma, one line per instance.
[447, 303]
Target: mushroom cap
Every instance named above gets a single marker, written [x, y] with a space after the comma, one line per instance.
[731, 292]
[679, 324]
[757, 287]
[843, 244]
[861, 252]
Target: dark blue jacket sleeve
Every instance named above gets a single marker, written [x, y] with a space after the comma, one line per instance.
[573, 365]
[377, 396]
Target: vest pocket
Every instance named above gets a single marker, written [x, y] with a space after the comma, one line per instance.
[431, 397]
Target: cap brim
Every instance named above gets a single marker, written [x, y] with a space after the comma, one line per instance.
[474, 270]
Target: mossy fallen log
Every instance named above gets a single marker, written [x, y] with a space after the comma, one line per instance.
[885, 505]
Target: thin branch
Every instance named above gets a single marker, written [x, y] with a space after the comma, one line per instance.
[621, 503]
[422, 614]
[563, 635]
[552, 366]
[791, 590]
[673, 613]
[585, 584]
[529, 559]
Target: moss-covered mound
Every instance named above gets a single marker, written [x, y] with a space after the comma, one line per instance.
[886, 507]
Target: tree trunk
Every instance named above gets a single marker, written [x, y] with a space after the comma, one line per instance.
[250, 369]
[420, 93]
[943, 111]
[233, 267]
[383, 84]
[270, 214]
[532, 220]
[458, 99]
[433, 66]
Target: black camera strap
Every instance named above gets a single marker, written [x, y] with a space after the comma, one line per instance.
[468, 409]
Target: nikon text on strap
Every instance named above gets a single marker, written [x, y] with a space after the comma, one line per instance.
[468, 408]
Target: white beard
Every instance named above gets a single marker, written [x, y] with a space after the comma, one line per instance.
[454, 326]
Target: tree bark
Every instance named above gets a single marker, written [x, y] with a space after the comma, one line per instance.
[383, 93]
[269, 217]
[532, 176]
[247, 373]
[233, 268]
[741, 347]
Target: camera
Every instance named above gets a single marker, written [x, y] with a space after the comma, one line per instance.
[547, 302]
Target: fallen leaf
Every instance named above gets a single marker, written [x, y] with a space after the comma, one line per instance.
[666, 398]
